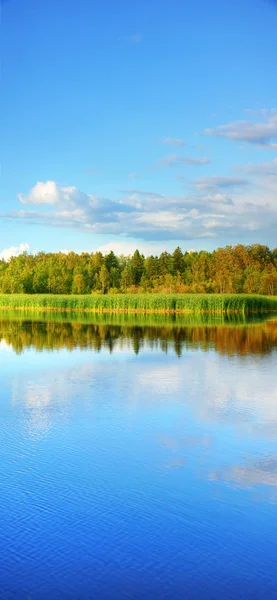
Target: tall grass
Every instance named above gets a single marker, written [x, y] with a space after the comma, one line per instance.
[186, 303]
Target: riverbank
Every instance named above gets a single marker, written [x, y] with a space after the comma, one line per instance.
[142, 303]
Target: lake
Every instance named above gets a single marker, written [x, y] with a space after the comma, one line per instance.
[138, 457]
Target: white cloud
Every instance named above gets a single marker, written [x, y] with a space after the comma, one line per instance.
[214, 182]
[72, 206]
[7, 253]
[162, 219]
[207, 234]
[259, 133]
[266, 168]
[133, 175]
[216, 223]
[127, 247]
[212, 207]
[175, 159]
[171, 141]
[218, 198]
[44, 193]
[145, 193]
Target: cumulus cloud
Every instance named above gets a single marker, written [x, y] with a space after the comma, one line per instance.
[44, 193]
[175, 159]
[261, 133]
[224, 207]
[171, 141]
[7, 253]
[71, 205]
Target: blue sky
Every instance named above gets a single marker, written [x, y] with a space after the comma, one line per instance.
[138, 124]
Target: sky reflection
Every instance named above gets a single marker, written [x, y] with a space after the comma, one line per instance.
[134, 446]
[199, 403]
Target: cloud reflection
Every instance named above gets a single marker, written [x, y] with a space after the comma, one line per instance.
[189, 405]
[258, 472]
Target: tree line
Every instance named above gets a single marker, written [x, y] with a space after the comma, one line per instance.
[233, 269]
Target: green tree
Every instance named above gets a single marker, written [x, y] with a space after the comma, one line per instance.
[111, 261]
[165, 264]
[137, 266]
[268, 284]
[178, 261]
[104, 277]
[79, 284]
[127, 277]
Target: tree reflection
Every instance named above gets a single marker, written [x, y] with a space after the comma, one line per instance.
[237, 339]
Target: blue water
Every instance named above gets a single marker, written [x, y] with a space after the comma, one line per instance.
[140, 474]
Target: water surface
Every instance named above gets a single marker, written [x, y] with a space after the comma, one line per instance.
[138, 457]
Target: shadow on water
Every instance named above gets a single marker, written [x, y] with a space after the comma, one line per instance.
[233, 335]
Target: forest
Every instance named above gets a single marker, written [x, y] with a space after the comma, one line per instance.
[236, 269]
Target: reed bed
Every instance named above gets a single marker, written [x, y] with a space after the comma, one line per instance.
[143, 303]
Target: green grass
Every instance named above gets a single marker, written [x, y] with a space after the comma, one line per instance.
[185, 303]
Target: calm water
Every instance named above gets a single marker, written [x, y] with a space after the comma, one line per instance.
[138, 459]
